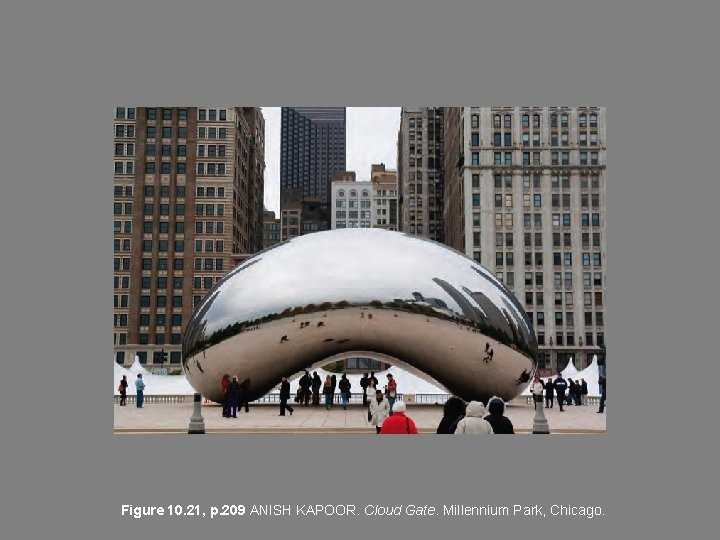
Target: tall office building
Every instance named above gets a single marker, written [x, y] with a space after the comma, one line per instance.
[188, 196]
[271, 229]
[420, 171]
[525, 197]
[312, 149]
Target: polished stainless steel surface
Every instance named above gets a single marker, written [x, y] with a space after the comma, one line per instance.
[302, 301]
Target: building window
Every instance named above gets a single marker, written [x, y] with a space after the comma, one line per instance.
[474, 121]
[537, 201]
[476, 158]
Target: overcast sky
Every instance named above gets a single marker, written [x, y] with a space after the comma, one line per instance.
[371, 138]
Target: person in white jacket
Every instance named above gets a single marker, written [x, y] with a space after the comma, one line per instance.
[474, 421]
[379, 410]
[537, 388]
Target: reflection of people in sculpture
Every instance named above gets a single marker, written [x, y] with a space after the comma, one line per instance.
[523, 378]
[488, 354]
[379, 410]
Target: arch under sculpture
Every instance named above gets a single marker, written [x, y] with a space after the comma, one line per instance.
[323, 294]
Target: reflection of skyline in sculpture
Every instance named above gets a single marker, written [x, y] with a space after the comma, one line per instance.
[330, 292]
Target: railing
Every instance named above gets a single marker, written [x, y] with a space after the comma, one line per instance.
[355, 399]
[590, 400]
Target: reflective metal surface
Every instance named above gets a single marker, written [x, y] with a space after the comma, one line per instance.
[294, 305]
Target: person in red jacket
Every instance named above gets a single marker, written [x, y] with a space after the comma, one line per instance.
[398, 423]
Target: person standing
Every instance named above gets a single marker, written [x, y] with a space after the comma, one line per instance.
[391, 391]
[474, 421]
[379, 410]
[497, 419]
[570, 392]
[305, 382]
[364, 382]
[316, 384]
[333, 380]
[398, 423]
[244, 393]
[549, 393]
[328, 391]
[224, 383]
[373, 378]
[232, 397]
[123, 390]
[560, 385]
[139, 389]
[583, 391]
[453, 412]
[537, 388]
[344, 391]
[284, 396]
[602, 383]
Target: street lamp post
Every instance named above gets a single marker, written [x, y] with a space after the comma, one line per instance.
[197, 422]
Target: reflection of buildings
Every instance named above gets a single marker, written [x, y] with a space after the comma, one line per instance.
[188, 195]
[525, 197]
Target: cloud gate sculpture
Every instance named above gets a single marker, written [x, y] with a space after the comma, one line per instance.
[300, 302]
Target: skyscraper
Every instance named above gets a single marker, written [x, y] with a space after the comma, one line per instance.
[525, 197]
[188, 195]
[420, 172]
[312, 149]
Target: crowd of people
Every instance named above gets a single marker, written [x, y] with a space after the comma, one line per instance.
[387, 414]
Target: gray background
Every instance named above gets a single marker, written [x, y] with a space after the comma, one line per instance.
[64, 68]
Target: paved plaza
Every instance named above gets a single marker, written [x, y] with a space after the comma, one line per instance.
[264, 418]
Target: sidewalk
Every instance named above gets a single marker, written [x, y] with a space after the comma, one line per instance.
[174, 418]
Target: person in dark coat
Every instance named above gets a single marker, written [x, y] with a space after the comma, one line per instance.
[453, 412]
[244, 391]
[602, 383]
[578, 393]
[316, 384]
[123, 390]
[584, 391]
[364, 382]
[305, 383]
[374, 378]
[560, 386]
[333, 380]
[232, 397]
[328, 391]
[284, 396]
[570, 392]
[345, 390]
[549, 393]
[497, 419]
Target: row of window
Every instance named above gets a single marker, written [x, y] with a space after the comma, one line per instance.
[506, 120]
[205, 282]
[556, 139]
[353, 225]
[162, 245]
[125, 131]
[211, 169]
[121, 113]
[352, 214]
[175, 339]
[123, 263]
[570, 341]
[175, 356]
[210, 192]
[212, 115]
[212, 133]
[166, 132]
[167, 114]
[353, 203]
[354, 194]
[556, 181]
[160, 301]
[149, 191]
[166, 150]
[124, 167]
[165, 167]
[210, 227]
[209, 246]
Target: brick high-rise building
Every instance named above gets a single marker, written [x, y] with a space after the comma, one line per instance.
[525, 197]
[188, 195]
